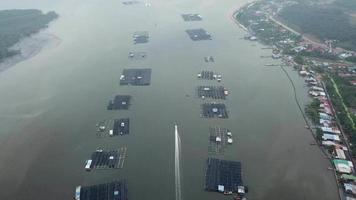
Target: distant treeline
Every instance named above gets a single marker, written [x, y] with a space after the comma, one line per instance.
[17, 24]
[326, 22]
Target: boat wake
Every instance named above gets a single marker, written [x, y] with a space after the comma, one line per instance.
[177, 166]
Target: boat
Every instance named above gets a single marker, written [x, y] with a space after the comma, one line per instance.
[227, 192]
[88, 165]
[77, 192]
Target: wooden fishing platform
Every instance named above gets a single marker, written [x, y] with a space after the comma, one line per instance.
[136, 77]
[101, 159]
[214, 92]
[120, 102]
[219, 139]
[224, 176]
[212, 110]
[140, 37]
[209, 75]
[137, 55]
[209, 59]
[198, 34]
[191, 17]
[116, 190]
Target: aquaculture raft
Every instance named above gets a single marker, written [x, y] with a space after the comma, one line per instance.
[209, 75]
[120, 102]
[219, 138]
[191, 17]
[209, 59]
[136, 77]
[101, 159]
[116, 190]
[214, 92]
[140, 37]
[130, 2]
[223, 176]
[121, 127]
[137, 55]
[211, 110]
[198, 34]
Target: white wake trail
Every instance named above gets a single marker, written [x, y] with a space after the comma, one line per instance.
[177, 165]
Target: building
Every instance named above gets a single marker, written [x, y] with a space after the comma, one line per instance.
[331, 137]
[343, 166]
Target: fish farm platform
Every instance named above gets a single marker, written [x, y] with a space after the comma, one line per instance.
[120, 102]
[198, 34]
[209, 75]
[130, 2]
[101, 159]
[209, 59]
[191, 17]
[137, 77]
[218, 140]
[140, 37]
[137, 55]
[121, 127]
[116, 190]
[214, 92]
[211, 110]
[224, 176]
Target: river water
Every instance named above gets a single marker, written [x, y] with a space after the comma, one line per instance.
[50, 103]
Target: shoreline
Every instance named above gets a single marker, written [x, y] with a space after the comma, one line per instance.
[306, 119]
[235, 11]
[29, 47]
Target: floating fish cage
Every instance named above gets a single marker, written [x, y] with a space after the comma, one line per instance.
[120, 102]
[198, 34]
[214, 92]
[101, 159]
[219, 138]
[137, 55]
[224, 176]
[140, 37]
[121, 127]
[116, 190]
[130, 2]
[211, 110]
[191, 17]
[209, 59]
[137, 77]
[209, 75]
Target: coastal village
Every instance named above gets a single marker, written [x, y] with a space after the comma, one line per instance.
[323, 67]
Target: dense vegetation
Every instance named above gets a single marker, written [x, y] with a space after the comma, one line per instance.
[16, 24]
[347, 90]
[266, 31]
[312, 110]
[327, 22]
[342, 114]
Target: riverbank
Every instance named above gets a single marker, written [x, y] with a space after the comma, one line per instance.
[73, 83]
[22, 34]
[317, 90]
[30, 47]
